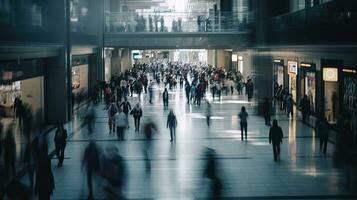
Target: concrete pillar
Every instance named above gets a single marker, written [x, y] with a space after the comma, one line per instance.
[211, 57]
[220, 58]
[57, 103]
[125, 59]
[115, 66]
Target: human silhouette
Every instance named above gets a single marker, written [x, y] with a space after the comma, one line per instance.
[91, 162]
[60, 140]
[243, 116]
[171, 124]
[276, 138]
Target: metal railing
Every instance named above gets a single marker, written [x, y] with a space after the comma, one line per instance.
[331, 12]
[176, 22]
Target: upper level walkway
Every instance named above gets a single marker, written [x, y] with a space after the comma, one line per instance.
[246, 168]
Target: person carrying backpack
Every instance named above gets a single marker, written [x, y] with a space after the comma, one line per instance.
[60, 143]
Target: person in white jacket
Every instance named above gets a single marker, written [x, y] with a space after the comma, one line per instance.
[120, 123]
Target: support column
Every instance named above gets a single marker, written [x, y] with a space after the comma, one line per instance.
[211, 57]
[125, 61]
[115, 66]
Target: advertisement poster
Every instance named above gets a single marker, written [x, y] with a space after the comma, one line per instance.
[293, 69]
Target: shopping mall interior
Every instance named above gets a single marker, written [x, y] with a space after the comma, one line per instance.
[178, 99]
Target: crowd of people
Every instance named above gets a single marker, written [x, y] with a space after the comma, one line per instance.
[197, 81]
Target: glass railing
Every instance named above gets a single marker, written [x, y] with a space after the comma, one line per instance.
[176, 22]
[331, 12]
[25, 18]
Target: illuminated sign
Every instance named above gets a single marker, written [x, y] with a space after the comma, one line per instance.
[330, 74]
[292, 65]
[308, 65]
[277, 61]
[349, 71]
[234, 57]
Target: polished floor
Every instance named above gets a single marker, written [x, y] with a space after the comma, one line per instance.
[246, 168]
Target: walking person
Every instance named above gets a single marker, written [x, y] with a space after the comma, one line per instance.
[91, 162]
[126, 107]
[187, 91]
[305, 108]
[149, 128]
[324, 135]
[208, 113]
[112, 110]
[243, 116]
[289, 106]
[120, 123]
[60, 143]
[137, 113]
[45, 183]
[266, 111]
[10, 153]
[90, 118]
[276, 138]
[165, 98]
[151, 91]
[171, 124]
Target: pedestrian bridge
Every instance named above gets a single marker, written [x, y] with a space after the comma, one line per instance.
[181, 40]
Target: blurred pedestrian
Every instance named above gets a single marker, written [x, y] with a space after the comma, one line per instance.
[112, 110]
[165, 98]
[149, 128]
[324, 135]
[60, 140]
[172, 124]
[120, 123]
[137, 113]
[305, 108]
[211, 172]
[188, 90]
[114, 171]
[90, 118]
[45, 183]
[289, 103]
[243, 116]
[91, 162]
[208, 113]
[10, 153]
[126, 107]
[266, 111]
[276, 138]
[151, 92]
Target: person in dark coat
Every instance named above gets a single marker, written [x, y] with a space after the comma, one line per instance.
[305, 108]
[149, 129]
[126, 107]
[45, 183]
[60, 143]
[276, 138]
[165, 98]
[266, 111]
[211, 172]
[171, 124]
[188, 90]
[9, 152]
[91, 162]
[137, 113]
[323, 132]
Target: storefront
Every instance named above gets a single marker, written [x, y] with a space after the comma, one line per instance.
[293, 72]
[23, 79]
[349, 98]
[278, 67]
[307, 83]
[331, 93]
[80, 77]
